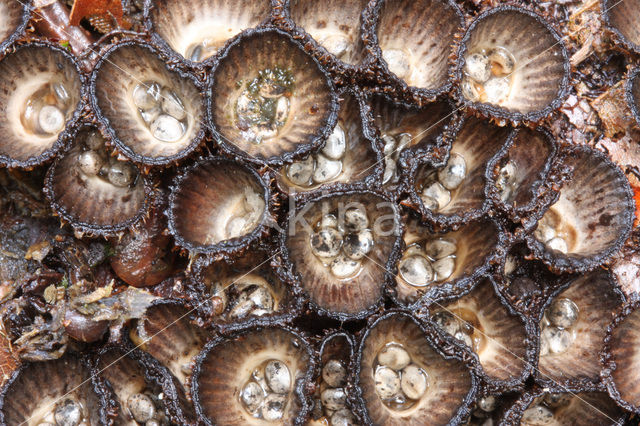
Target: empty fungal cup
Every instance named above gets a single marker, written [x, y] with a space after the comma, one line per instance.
[198, 30]
[218, 205]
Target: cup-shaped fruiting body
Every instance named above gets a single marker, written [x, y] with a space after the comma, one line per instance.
[270, 102]
[59, 392]
[500, 337]
[257, 376]
[525, 281]
[247, 290]
[572, 327]
[349, 153]
[42, 95]
[141, 390]
[412, 41]
[511, 64]
[621, 16]
[218, 206]
[452, 192]
[402, 126]
[166, 333]
[434, 265]
[339, 246]
[403, 378]
[334, 395]
[560, 406]
[621, 359]
[153, 112]
[516, 176]
[94, 191]
[591, 218]
[335, 27]
[15, 16]
[632, 91]
[196, 31]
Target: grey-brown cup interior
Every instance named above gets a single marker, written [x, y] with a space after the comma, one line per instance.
[210, 23]
[167, 334]
[41, 385]
[334, 24]
[126, 377]
[502, 337]
[449, 381]
[26, 71]
[623, 17]
[91, 200]
[357, 294]
[227, 367]
[475, 243]
[311, 101]
[596, 296]
[633, 94]
[208, 198]
[122, 69]
[360, 157]
[11, 16]
[539, 71]
[625, 352]
[531, 154]
[594, 209]
[477, 142]
[423, 124]
[585, 409]
[336, 347]
[225, 279]
[423, 31]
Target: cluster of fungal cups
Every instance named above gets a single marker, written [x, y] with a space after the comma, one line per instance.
[398, 381]
[270, 101]
[342, 245]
